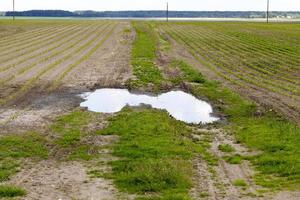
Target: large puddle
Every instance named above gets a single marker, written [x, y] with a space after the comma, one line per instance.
[182, 106]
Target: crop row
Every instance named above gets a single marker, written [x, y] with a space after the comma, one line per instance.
[257, 59]
[268, 44]
[238, 57]
[288, 62]
[15, 43]
[76, 50]
[223, 60]
[28, 47]
[25, 35]
[49, 46]
[77, 38]
[58, 80]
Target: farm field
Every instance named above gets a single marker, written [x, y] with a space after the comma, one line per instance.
[263, 60]
[50, 148]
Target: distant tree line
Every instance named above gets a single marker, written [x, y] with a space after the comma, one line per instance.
[153, 14]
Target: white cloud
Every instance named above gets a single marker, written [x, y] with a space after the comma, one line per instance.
[101, 5]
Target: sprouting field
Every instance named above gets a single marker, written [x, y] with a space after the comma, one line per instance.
[246, 73]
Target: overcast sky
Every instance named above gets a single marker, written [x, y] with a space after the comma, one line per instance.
[199, 5]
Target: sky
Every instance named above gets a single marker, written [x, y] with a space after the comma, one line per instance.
[187, 5]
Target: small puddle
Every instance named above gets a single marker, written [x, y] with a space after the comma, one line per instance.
[182, 106]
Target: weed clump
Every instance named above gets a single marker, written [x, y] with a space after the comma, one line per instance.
[11, 191]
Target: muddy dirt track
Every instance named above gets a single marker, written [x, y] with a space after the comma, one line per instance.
[43, 68]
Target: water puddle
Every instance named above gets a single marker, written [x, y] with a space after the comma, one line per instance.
[182, 106]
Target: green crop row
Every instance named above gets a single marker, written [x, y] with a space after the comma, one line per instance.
[233, 59]
[230, 68]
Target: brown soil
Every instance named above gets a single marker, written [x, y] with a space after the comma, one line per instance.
[69, 180]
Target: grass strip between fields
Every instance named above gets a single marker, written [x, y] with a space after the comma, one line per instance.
[144, 56]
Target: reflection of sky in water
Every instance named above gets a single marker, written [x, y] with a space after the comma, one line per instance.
[180, 105]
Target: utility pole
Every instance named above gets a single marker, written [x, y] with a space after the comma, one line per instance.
[268, 10]
[167, 11]
[14, 10]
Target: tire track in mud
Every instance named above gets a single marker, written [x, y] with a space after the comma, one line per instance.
[217, 182]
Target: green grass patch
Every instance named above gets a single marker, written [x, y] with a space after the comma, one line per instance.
[204, 194]
[227, 148]
[189, 73]
[236, 159]
[22, 146]
[71, 130]
[276, 138]
[15, 147]
[144, 56]
[11, 191]
[155, 151]
[240, 183]
[70, 127]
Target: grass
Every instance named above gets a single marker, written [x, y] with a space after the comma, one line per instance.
[15, 147]
[204, 195]
[274, 136]
[11, 191]
[71, 130]
[155, 154]
[268, 133]
[189, 74]
[236, 159]
[277, 138]
[239, 183]
[227, 148]
[144, 56]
